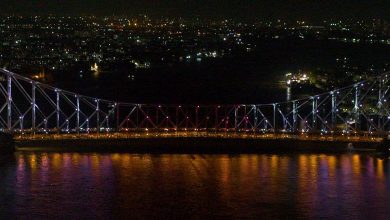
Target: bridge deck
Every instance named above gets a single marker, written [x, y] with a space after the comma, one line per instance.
[221, 135]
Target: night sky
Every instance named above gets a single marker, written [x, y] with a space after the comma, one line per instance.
[289, 9]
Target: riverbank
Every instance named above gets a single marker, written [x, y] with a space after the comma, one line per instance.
[193, 145]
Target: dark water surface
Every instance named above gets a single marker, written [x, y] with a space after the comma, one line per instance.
[101, 186]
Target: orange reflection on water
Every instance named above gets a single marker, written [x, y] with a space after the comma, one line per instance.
[356, 164]
[33, 161]
[379, 169]
[225, 170]
[56, 160]
[309, 184]
[331, 165]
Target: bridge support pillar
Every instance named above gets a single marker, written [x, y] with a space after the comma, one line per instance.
[58, 110]
[78, 114]
[33, 107]
[9, 102]
[334, 110]
[380, 106]
[255, 118]
[21, 124]
[295, 116]
[236, 117]
[357, 108]
[97, 117]
[196, 117]
[274, 117]
[314, 113]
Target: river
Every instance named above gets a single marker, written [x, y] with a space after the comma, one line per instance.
[134, 186]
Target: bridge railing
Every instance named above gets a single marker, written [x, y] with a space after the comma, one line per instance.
[28, 106]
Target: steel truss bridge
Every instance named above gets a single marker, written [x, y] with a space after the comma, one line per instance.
[30, 107]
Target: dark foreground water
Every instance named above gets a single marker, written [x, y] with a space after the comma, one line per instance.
[99, 186]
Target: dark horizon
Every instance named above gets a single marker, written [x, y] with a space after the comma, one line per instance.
[235, 9]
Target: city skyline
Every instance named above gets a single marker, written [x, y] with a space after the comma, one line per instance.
[83, 52]
[293, 9]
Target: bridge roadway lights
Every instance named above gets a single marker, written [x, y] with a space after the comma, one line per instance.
[223, 135]
[30, 107]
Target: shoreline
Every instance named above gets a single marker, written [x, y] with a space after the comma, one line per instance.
[202, 145]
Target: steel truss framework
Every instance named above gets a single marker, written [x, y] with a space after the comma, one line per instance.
[27, 106]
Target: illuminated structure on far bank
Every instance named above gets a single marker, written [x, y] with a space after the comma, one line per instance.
[30, 107]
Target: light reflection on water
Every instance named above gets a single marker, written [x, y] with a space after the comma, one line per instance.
[53, 185]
